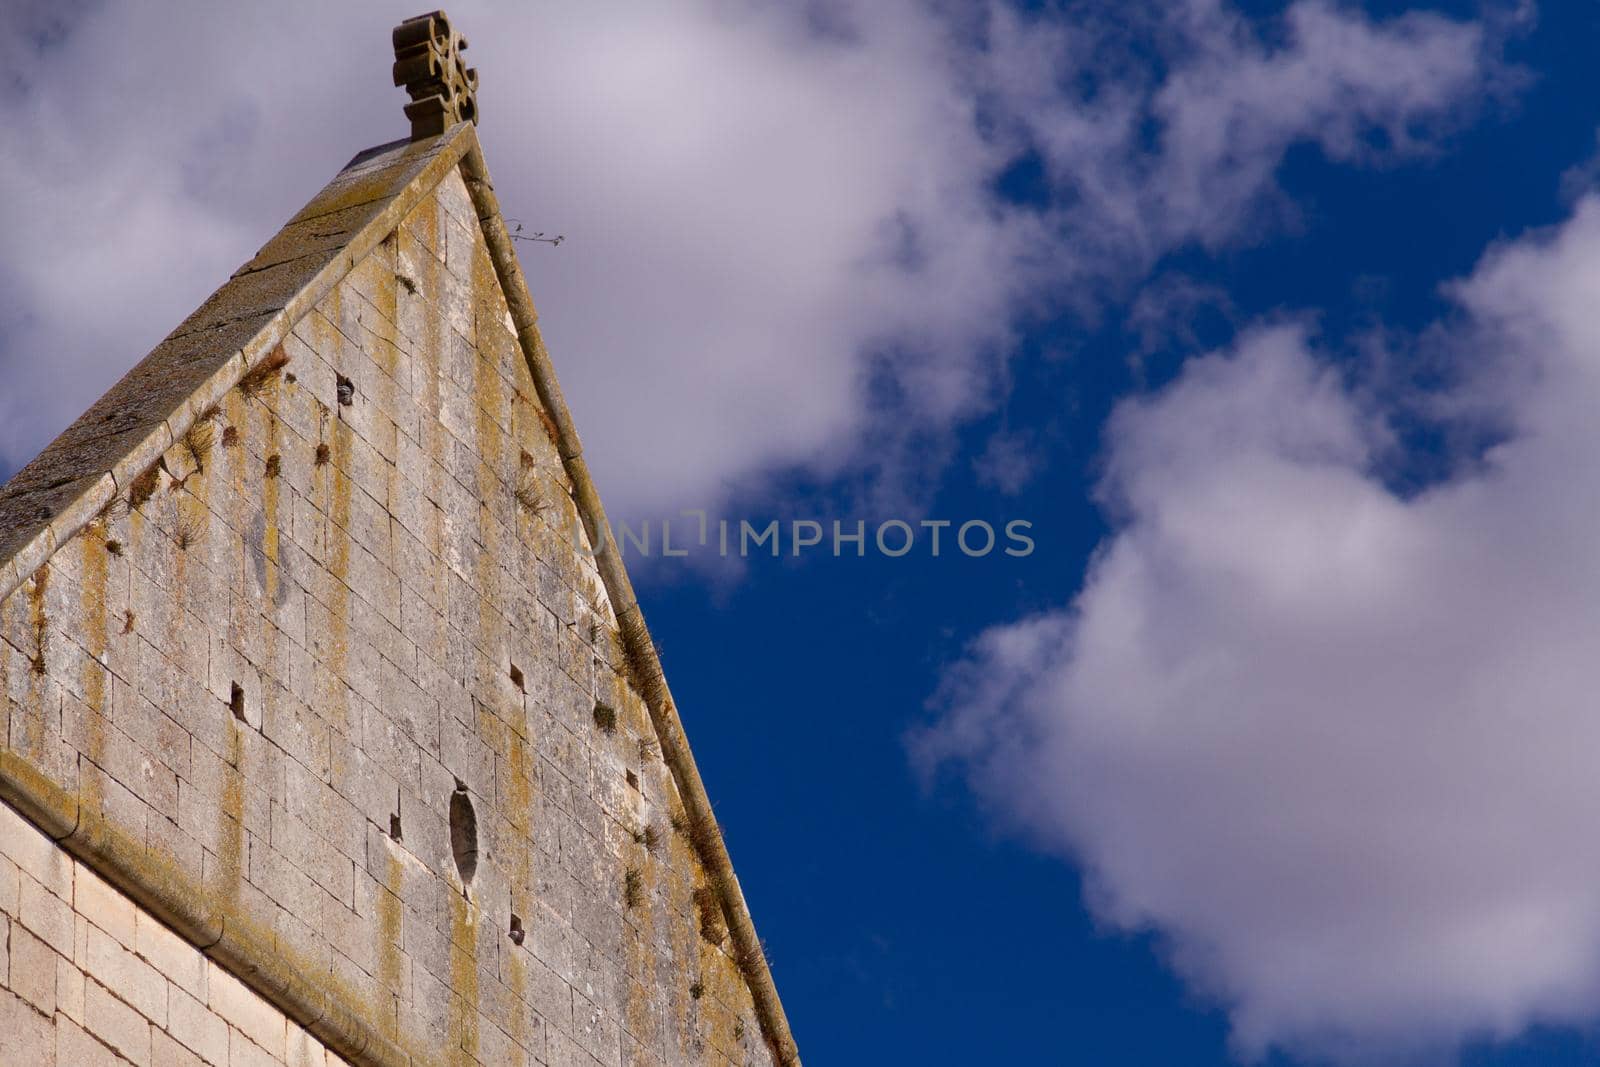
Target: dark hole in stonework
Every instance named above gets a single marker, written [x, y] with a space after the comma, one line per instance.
[463, 834]
[517, 933]
[394, 826]
[633, 780]
[347, 391]
[516, 678]
[236, 701]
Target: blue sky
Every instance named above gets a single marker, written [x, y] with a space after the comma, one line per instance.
[1272, 322]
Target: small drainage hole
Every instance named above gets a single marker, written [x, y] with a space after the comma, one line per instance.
[346, 391]
[517, 933]
[236, 701]
[517, 679]
[394, 826]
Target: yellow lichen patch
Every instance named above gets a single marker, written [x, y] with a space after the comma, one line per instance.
[723, 986]
[490, 489]
[494, 394]
[233, 414]
[332, 489]
[638, 957]
[390, 912]
[37, 617]
[423, 224]
[464, 980]
[681, 936]
[92, 606]
[518, 799]
[230, 815]
[270, 491]
[7, 704]
[33, 721]
[517, 786]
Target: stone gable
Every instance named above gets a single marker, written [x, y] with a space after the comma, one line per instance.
[330, 683]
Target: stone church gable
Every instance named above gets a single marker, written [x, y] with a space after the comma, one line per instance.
[327, 732]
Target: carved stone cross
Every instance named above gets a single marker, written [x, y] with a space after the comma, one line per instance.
[427, 61]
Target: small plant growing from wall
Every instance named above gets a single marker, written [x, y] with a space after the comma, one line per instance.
[144, 486]
[633, 887]
[549, 425]
[649, 837]
[529, 498]
[199, 440]
[641, 658]
[605, 718]
[709, 910]
[700, 836]
[257, 377]
[750, 960]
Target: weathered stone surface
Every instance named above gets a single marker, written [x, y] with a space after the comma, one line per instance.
[265, 684]
[242, 311]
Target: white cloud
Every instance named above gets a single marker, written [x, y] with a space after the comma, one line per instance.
[1335, 745]
[782, 245]
[1151, 165]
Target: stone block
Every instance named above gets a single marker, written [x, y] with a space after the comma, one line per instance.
[197, 1028]
[118, 1025]
[247, 1012]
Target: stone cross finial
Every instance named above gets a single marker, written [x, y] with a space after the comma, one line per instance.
[427, 61]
